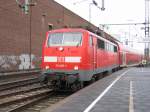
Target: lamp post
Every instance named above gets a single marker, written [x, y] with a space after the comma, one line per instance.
[26, 6]
[30, 36]
[90, 12]
[90, 4]
[147, 32]
[30, 4]
[93, 3]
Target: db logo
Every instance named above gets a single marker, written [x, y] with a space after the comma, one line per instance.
[60, 59]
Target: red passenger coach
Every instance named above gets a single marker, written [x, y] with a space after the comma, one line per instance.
[73, 56]
[129, 56]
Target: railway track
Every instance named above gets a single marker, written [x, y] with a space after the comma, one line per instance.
[19, 91]
[29, 99]
[48, 102]
[6, 77]
[16, 102]
[17, 83]
[16, 79]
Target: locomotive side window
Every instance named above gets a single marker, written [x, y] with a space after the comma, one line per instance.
[111, 48]
[90, 41]
[115, 49]
[65, 39]
[106, 46]
[101, 44]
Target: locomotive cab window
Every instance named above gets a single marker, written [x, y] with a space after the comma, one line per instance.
[65, 39]
[101, 44]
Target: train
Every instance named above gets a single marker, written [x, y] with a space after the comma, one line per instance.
[72, 57]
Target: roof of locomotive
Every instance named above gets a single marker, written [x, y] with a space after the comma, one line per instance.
[68, 30]
[81, 30]
[115, 42]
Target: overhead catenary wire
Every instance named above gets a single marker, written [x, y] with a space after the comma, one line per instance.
[124, 24]
[79, 1]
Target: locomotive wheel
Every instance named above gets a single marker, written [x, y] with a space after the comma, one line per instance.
[44, 81]
[97, 78]
[77, 86]
[74, 87]
[81, 85]
[92, 80]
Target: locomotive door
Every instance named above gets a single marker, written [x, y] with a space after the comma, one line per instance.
[95, 52]
[91, 50]
[94, 44]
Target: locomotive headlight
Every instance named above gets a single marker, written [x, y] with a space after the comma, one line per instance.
[47, 67]
[76, 68]
[61, 48]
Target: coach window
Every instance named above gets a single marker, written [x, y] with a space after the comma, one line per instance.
[106, 46]
[111, 48]
[115, 49]
[90, 41]
[101, 44]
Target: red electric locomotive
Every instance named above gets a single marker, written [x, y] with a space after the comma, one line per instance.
[73, 56]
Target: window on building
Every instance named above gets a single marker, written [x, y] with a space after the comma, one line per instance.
[50, 26]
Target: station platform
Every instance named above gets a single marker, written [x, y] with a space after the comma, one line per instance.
[127, 90]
